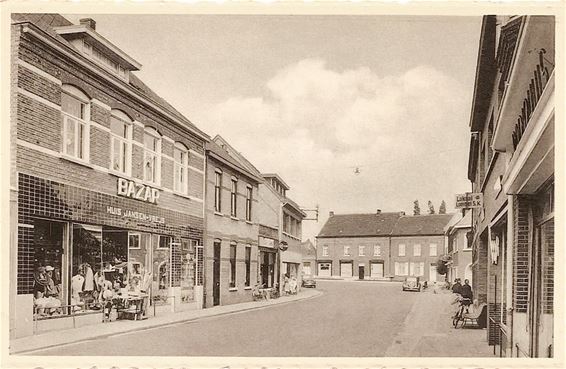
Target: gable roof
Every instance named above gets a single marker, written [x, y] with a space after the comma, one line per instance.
[220, 154]
[418, 225]
[357, 225]
[47, 23]
[237, 155]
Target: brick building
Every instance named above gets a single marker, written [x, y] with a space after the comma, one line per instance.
[107, 178]
[309, 258]
[459, 248]
[231, 228]
[380, 245]
[511, 162]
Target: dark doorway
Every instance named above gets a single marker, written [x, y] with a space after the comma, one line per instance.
[361, 272]
[216, 275]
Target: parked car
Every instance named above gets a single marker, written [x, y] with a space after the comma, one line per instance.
[412, 284]
[309, 281]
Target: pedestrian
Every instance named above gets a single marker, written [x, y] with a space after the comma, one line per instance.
[287, 285]
[466, 290]
[456, 288]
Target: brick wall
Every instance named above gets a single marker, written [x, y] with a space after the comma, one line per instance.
[521, 247]
[548, 268]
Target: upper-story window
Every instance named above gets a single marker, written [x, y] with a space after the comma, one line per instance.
[234, 198]
[75, 108]
[181, 168]
[121, 145]
[376, 250]
[346, 250]
[104, 61]
[433, 249]
[249, 203]
[152, 155]
[361, 250]
[325, 250]
[401, 249]
[417, 249]
[218, 191]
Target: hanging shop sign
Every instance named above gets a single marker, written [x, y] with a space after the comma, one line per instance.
[469, 200]
[138, 191]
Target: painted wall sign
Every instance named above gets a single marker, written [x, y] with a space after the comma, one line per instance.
[267, 242]
[137, 191]
[469, 200]
[126, 213]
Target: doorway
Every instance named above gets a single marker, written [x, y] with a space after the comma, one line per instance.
[361, 272]
[376, 270]
[216, 275]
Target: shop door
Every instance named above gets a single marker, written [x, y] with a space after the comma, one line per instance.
[216, 275]
[324, 270]
[376, 270]
[361, 272]
[346, 270]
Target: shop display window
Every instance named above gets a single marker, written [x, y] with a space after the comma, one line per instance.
[48, 265]
[188, 248]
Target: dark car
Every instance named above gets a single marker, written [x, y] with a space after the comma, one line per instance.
[309, 281]
[412, 284]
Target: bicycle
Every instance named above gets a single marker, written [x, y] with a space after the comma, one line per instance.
[463, 309]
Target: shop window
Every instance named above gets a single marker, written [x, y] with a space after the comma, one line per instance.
[248, 260]
[249, 203]
[218, 191]
[164, 242]
[200, 266]
[121, 144]
[75, 109]
[181, 168]
[234, 198]
[401, 268]
[152, 156]
[134, 241]
[48, 290]
[233, 265]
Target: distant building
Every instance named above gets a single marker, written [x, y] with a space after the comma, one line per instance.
[380, 245]
[511, 162]
[309, 258]
[232, 227]
[459, 248]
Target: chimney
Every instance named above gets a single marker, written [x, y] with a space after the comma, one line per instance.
[89, 22]
[378, 211]
[331, 214]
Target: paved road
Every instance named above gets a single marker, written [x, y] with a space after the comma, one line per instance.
[350, 319]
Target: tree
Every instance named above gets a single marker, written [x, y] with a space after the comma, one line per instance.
[416, 208]
[441, 267]
[442, 208]
[430, 207]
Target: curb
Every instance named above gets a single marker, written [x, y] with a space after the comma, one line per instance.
[187, 320]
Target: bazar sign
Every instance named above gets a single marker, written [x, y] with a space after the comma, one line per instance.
[137, 191]
[469, 200]
[126, 213]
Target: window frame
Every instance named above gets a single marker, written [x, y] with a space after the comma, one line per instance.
[347, 251]
[399, 248]
[324, 250]
[233, 258]
[249, 199]
[248, 263]
[417, 246]
[160, 236]
[126, 141]
[135, 234]
[361, 250]
[234, 197]
[84, 122]
[155, 153]
[376, 250]
[181, 166]
[218, 191]
[430, 248]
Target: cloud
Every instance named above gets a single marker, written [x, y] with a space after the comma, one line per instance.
[407, 133]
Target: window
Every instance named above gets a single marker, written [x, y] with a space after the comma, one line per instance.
[467, 238]
[346, 250]
[417, 249]
[401, 249]
[433, 249]
[324, 250]
[152, 155]
[181, 168]
[234, 198]
[164, 242]
[248, 264]
[134, 241]
[361, 250]
[104, 61]
[401, 268]
[218, 192]
[286, 223]
[121, 144]
[416, 269]
[377, 250]
[233, 265]
[75, 111]
[249, 203]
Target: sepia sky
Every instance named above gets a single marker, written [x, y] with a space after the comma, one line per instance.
[314, 97]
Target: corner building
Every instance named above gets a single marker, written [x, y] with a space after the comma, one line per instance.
[511, 162]
[106, 178]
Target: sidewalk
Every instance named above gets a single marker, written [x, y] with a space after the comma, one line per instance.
[428, 332]
[63, 337]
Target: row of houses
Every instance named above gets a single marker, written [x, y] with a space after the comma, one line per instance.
[511, 163]
[382, 245]
[108, 179]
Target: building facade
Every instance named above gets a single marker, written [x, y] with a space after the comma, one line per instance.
[309, 258]
[459, 248]
[511, 163]
[107, 179]
[380, 246]
[232, 229]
